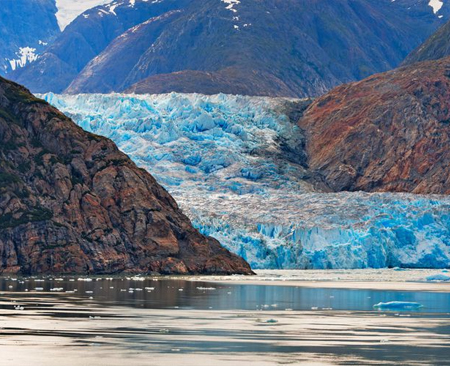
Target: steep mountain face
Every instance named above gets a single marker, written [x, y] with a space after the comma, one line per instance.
[257, 47]
[71, 202]
[85, 38]
[26, 26]
[389, 132]
[434, 48]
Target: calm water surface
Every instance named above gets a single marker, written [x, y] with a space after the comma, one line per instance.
[158, 321]
[171, 293]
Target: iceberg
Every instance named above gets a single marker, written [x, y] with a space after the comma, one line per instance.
[235, 165]
[438, 278]
[398, 305]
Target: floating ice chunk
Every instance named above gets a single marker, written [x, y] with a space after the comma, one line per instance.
[398, 305]
[438, 278]
[85, 279]
[57, 289]
[271, 321]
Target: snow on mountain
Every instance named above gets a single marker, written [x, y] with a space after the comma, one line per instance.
[436, 5]
[25, 55]
[235, 166]
[68, 10]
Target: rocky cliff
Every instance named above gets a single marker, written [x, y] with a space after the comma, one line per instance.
[389, 132]
[71, 202]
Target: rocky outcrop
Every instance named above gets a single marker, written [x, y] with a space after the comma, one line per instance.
[71, 202]
[434, 48]
[389, 132]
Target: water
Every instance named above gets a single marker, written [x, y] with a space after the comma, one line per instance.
[153, 293]
[160, 321]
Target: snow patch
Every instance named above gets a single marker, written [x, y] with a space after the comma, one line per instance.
[231, 4]
[25, 56]
[68, 10]
[436, 5]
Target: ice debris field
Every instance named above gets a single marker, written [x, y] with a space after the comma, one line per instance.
[235, 165]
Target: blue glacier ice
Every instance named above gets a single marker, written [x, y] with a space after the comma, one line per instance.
[231, 163]
[398, 305]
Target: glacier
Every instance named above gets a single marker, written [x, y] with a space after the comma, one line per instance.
[236, 166]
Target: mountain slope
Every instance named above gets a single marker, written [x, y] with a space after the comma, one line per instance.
[434, 48]
[389, 132]
[264, 47]
[26, 26]
[71, 202]
[87, 36]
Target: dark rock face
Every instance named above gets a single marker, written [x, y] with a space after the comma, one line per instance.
[434, 48]
[290, 48]
[71, 202]
[389, 132]
[25, 23]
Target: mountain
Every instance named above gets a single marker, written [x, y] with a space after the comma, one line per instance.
[389, 132]
[434, 48]
[71, 202]
[238, 168]
[26, 27]
[257, 47]
[84, 39]
[68, 10]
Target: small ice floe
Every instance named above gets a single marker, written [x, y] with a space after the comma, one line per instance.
[138, 278]
[206, 288]
[438, 278]
[59, 279]
[314, 308]
[56, 289]
[10, 286]
[271, 321]
[398, 305]
[85, 279]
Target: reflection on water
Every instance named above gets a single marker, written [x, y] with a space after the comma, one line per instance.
[159, 322]
[154, 293]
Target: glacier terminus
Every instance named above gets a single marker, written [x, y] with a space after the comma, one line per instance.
[235, 164]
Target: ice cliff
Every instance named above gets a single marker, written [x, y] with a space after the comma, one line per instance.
[235, 165]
